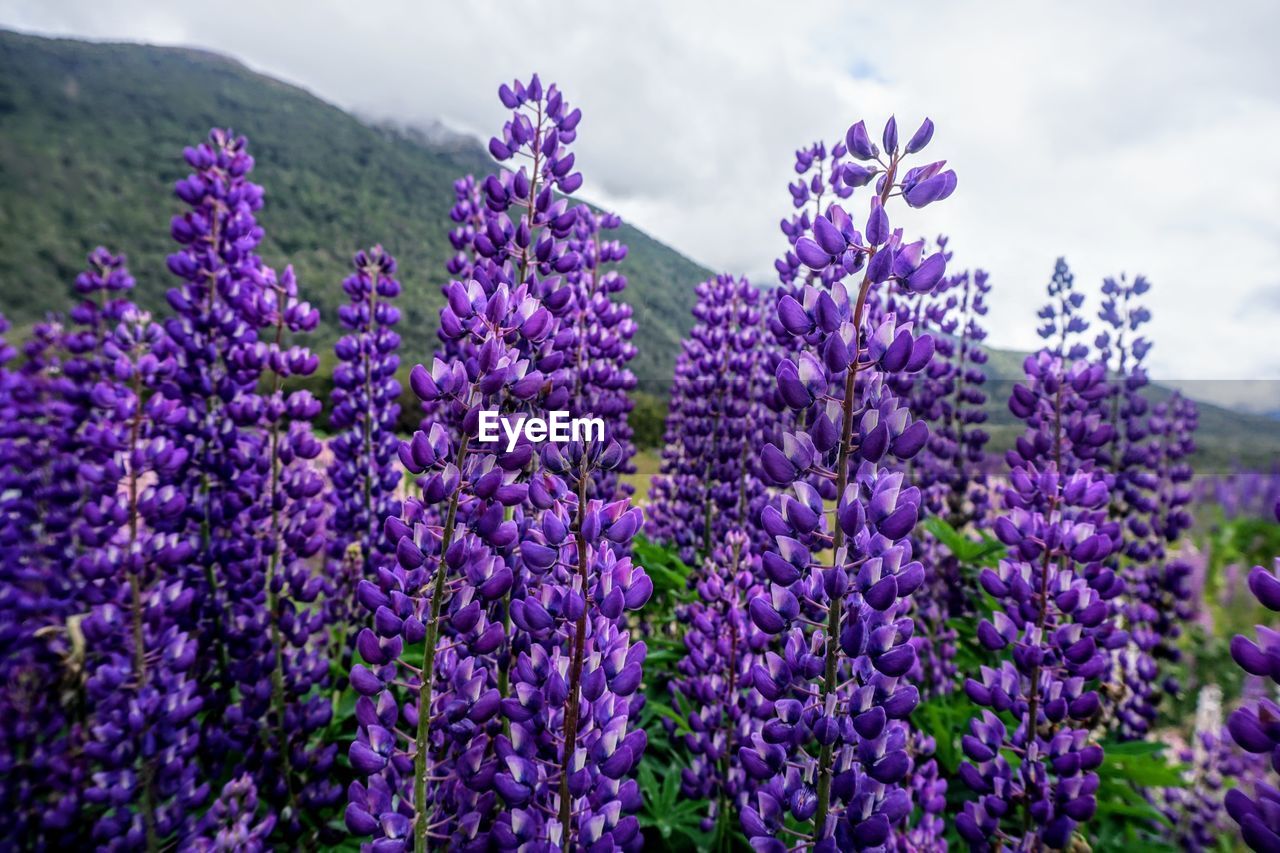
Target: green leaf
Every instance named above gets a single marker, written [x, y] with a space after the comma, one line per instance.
[662, 710]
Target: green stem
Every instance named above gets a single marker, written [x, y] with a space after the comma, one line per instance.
[575, 668]
[834, 614]
[428, 667]
[146, 773]
[273, 600]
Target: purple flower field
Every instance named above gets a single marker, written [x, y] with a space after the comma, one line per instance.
[235, 616]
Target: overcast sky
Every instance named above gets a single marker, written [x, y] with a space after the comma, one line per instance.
[1129, 137]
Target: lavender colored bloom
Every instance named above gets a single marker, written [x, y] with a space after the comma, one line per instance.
[949, 469]
[219, 361]
[929, 793]
[456, 558]
[513, 230]
[1053, 623]
[140, 656]
[50, 487]
[710, 483]
[575, 679]
[713, 690]
[40, 773]
[1242, 493]
[949, 395]
[288, 670]
[1123, 350]
[251, 490]
[364, 474]
[231, 824]
[1146, 461]
[596, 332]
[834, 754]
[1061, 319]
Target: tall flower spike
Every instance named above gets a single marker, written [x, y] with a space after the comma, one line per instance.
[713, 689]
[710, 482]
[47, 494]
[364, 472]
[513, 229]
[1143, 459]
[949, 469]
[1052, 625]
[596, 332]
[1062, 321]
[287, 674]
[213, 339]
[563, 770]
[140, 655]
[448, 588]
[835, 751]
[1211, 762]
[231, 824]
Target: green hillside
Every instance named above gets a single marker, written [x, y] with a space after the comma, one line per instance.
[91, 139]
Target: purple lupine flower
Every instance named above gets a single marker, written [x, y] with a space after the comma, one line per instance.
[231, 825]
[1242, 493]
[1053, 622]
[1148, 503]
[836, 751]
[40, 773]
[710, 482]
[1161, 598]
[140, 659]
[1256, 727]
[596, 332]
[252, 493]
[533, 250]
[512, 229]
[713, 688]
[575, 682]
[219, 361]
[949, 396]
[929, 793]
[281, 679]
[1062, 320]
[821, 181]
[364, 473]
[455, 567]
[1122, 349]
[821, 178]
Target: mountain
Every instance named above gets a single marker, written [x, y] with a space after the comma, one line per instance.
[91, 139]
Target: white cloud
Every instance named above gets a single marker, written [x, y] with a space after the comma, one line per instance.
[1128, 137]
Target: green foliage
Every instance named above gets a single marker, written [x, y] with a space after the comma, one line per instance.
[946, 718]
[648, 418]
[973, 554]
[670, 821]
[1125, 815]
[668, 572]
[672, 817]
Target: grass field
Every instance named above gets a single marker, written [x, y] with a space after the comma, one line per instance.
[648, 462]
